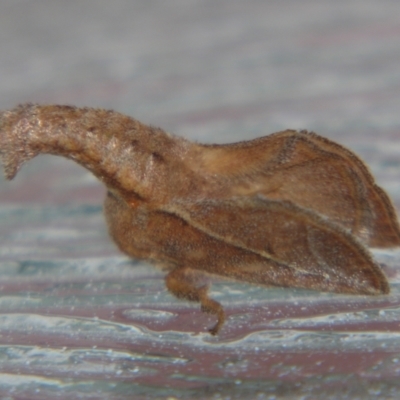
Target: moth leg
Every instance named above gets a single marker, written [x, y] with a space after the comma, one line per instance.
[186, 283]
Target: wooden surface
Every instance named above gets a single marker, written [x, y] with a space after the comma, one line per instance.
[78, 319]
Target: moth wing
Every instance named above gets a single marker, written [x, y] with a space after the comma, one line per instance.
[312, 172]
[306, 249]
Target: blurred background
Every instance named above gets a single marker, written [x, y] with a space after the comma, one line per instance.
[79, 319]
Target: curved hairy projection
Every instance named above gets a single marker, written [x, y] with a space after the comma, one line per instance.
[290, 209]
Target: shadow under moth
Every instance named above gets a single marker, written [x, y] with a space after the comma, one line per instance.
[291, 209]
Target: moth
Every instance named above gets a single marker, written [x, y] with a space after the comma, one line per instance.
[291, 209]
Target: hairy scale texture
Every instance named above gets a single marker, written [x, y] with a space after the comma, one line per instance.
[291, 209]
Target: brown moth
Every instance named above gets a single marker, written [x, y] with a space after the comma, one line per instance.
[291, 209]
